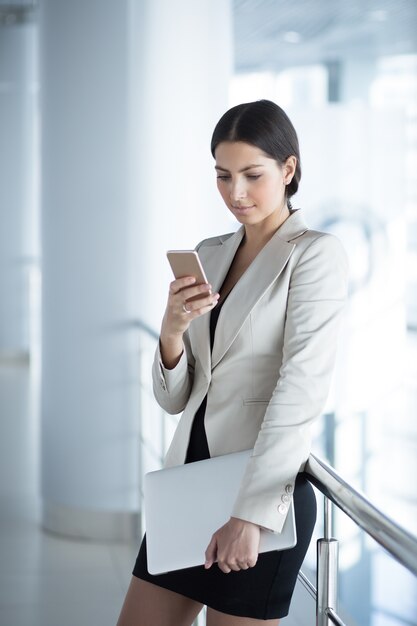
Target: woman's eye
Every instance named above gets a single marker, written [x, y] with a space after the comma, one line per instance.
[248, 176]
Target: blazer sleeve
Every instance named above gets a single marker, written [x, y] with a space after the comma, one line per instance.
[316, 299]
[172, 387]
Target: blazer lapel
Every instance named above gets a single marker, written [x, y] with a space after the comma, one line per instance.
[216, 260]
[263, 271]
[253, 284]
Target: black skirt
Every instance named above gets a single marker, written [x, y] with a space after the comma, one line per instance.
[261, 592]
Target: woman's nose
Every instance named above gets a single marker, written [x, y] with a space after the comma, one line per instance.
[237, 191]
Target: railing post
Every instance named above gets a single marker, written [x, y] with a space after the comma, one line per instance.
[141, 407]
[327, 567]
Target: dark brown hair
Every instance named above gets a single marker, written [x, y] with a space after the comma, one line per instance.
[265, 125]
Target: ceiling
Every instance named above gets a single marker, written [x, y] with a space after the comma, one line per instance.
[275, 34]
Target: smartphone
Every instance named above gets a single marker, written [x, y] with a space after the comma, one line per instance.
[187, 263]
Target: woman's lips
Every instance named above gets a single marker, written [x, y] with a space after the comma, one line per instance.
[243, 209]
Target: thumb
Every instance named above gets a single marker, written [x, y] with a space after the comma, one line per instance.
[211, 553]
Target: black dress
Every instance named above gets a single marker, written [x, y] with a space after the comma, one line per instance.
[261, 592]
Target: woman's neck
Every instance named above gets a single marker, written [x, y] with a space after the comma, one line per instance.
[257, 235]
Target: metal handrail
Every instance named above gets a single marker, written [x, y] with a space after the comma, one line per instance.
[400, 544]
[397, 541]
[151, 332]
[308, 585]
[334, 617]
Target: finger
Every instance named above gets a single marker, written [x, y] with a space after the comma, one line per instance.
[211, 553]
[235, 567]
[199, 306]
[224, 567]
[181, 283]
[252, 561]
[195, 291]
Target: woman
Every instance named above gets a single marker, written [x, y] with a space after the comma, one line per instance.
[250, 366]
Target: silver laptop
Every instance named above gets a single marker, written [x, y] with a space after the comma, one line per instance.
[186, 504]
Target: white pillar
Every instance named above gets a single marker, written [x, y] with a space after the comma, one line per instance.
[89, 404]
[111, 150]
[19, 244]
[186, 63]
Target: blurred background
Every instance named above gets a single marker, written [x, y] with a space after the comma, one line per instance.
[106, 113]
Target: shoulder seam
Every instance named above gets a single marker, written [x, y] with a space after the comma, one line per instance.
[312, 243]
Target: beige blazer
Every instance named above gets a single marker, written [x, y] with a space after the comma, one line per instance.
[269, 374]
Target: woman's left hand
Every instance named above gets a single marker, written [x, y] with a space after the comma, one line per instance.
[235, 546]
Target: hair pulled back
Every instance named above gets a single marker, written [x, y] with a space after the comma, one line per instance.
[265, 125]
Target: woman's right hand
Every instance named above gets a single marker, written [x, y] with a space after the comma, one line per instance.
[179, 314]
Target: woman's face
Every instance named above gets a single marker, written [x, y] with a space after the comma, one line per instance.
[251, 183]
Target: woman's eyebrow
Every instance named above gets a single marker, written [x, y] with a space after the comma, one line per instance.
[248, 167]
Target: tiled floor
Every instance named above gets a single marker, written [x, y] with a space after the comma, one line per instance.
[46, 580]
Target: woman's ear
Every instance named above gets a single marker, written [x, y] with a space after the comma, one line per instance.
[289, 169]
